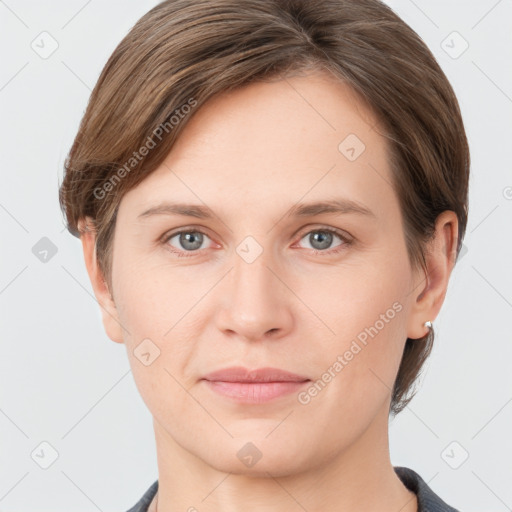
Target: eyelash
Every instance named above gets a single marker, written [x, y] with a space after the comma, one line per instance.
[188, 254]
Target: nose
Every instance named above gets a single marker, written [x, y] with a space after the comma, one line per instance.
[256, 303]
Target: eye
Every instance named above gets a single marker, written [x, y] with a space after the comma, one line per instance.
[188, 240]
[322, 239]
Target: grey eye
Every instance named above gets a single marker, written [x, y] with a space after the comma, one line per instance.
[320, 240]
[189, 240]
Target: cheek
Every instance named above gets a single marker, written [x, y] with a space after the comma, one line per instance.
[159, 308]
[366, 312]
[150, 298]
[362, 300]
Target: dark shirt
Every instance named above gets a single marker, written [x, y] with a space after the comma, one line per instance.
[428, 501]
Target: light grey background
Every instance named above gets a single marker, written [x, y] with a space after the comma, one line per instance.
[63, 382]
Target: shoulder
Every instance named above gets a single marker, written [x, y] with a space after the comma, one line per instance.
[143, 504]
[428, 501]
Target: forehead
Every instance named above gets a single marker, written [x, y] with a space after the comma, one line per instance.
[275, 140]
[266, 115]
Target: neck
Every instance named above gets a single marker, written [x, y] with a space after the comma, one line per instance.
[361, 477]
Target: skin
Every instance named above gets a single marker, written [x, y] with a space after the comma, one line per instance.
[250, 156]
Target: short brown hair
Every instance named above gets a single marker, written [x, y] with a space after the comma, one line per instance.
[183, 52]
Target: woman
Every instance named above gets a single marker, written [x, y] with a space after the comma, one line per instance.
[271, 196]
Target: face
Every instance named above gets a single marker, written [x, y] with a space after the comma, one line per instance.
[261, 278]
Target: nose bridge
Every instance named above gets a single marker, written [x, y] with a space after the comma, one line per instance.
[256, 301]
[251, 274]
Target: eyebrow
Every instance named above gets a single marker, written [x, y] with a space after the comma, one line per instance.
[338, 206]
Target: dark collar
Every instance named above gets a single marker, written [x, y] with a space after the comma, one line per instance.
[428, 501]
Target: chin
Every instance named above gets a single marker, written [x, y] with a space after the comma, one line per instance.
[258, 457]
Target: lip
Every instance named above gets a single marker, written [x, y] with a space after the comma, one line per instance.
[254, 386]
[241, 374]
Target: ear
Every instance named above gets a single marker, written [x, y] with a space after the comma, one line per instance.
[430, 288]
[108, 308]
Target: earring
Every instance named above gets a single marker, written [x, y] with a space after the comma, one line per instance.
[428, 324]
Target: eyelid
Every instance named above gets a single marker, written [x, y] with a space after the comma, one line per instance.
[303, 231]
[316, 227]
[185, 229]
